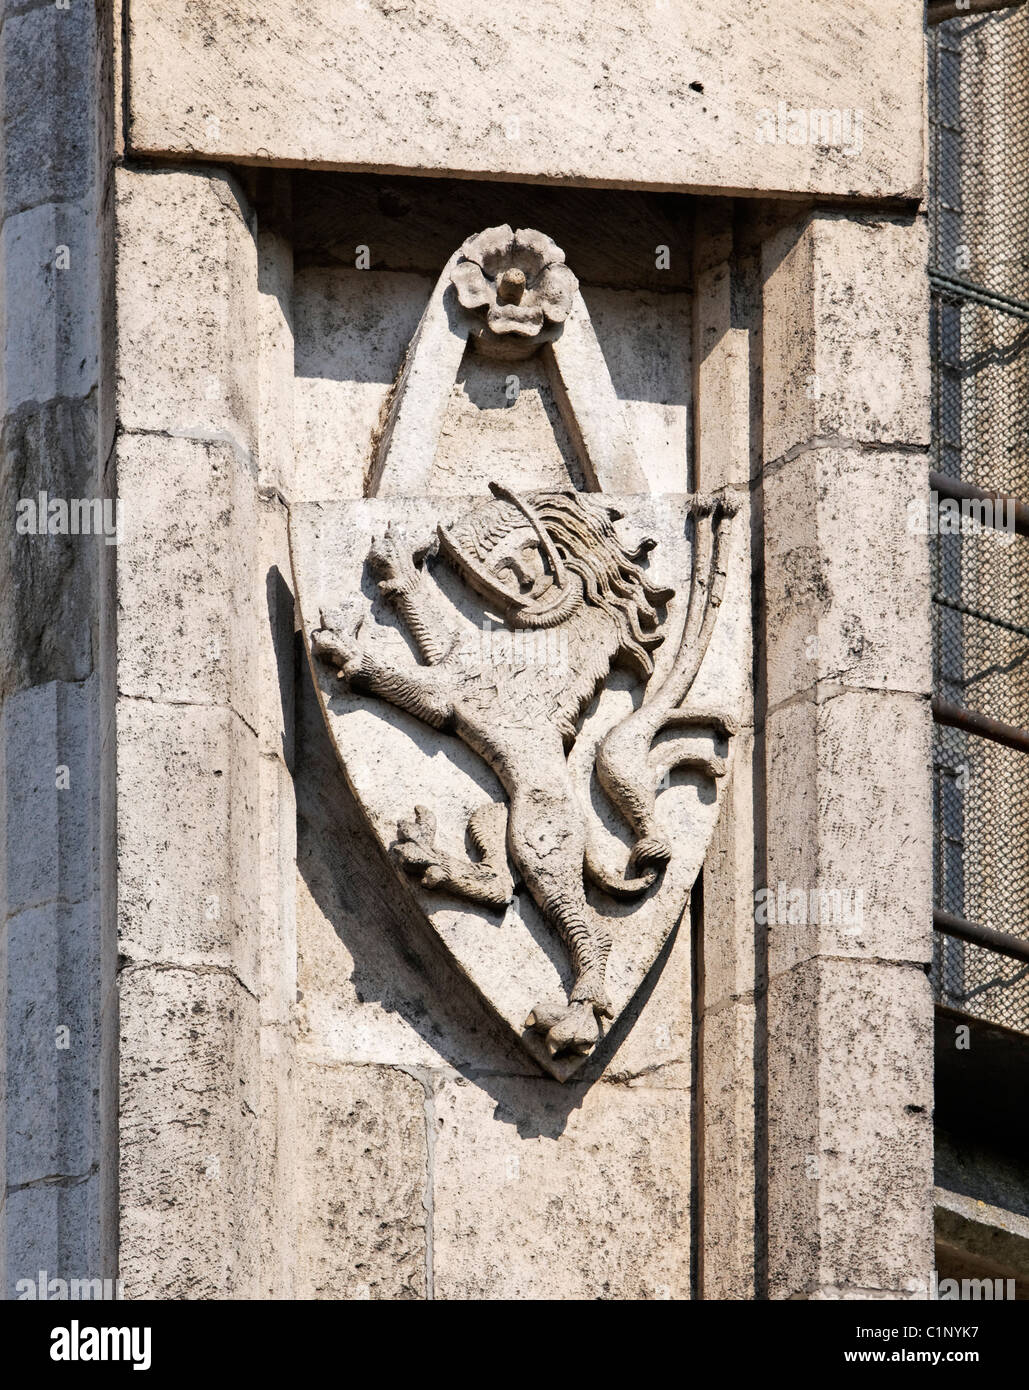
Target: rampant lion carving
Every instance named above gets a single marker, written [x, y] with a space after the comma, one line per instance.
[552, 563]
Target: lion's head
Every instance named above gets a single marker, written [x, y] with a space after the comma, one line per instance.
[540, 557]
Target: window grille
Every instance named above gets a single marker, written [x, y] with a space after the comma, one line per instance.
[979, 277]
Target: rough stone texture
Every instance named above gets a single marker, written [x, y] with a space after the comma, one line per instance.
[454, 87]
[846, 762]
[851, 1128]
[47, 622]
[190, 600]
[204, 739]
[846, 302]
[187, 311]
[189, 1097]
[363, 1184]
[536, 1188]
[969, 1227]
[57, 1116]
[729, 1122]
[838, 613]
[842, 767]
[48, 284]
[46, 802]
[182, 772]
[58, 1227]
[645, 339]
[53, 1044]
[48, 145]
[52, 960]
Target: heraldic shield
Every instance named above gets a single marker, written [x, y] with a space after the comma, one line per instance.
[533, 689]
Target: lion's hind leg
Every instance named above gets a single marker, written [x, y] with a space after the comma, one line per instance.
[575, 1028]
[488, 881]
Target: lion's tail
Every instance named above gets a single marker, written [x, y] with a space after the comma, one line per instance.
[619, 884]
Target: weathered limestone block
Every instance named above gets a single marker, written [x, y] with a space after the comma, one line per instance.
[727, 1136]
[847, 575]
[206, 813]
[50, 301]
[277, 1262]
[54, 1059]
[188, 778]
[851, 1132]
[52, 1044]
[275, 362]
[544, 1192]
[190, 594]
[729, 961]
[365, 1184]
[48, 620]
[188, 1134]
[57, 949]
[187, 306]
[48, 738]
[840, 771]
[694, 97]
[845, 348]
[48, 145]
[844, 918]
[645, 341]
[58, 1227]
[352, 330]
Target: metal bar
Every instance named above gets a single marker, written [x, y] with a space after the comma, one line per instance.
[967, 492]
[939, 10]
[1000, 941]
[964, 609]
[981, 724]
[965, 291]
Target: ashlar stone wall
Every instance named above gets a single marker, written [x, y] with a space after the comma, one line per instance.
[278, 1083]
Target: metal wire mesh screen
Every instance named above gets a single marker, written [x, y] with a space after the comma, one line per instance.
[979, 221]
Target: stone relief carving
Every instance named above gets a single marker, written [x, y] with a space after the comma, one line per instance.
[530, 629]
[519, 282]
[549, 562]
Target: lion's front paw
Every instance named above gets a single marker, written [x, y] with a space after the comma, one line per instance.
[416, 847]
[392, 565]
[337, 647]
[568, 1029]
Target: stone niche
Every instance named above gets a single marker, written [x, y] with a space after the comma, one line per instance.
[352, 326]
[434, 1154]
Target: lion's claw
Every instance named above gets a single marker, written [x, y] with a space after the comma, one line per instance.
[568, 1029]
